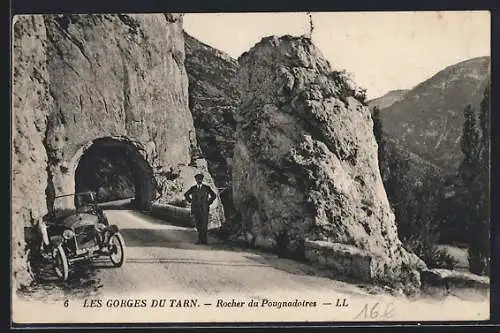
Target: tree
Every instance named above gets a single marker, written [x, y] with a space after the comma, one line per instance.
[413, 200]
[469, 143]
[474, 171]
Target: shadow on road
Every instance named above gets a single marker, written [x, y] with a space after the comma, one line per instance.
[147, 216]
[187, 261]
[124, 204]
[294, 267]
[160, 233]
[179, 239]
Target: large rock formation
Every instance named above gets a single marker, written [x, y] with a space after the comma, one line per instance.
[305, 161]
[31, 100]
[213, 100]
[113, 76]
[107, 80]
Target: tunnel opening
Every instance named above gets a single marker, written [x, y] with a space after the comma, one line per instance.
[115, 170]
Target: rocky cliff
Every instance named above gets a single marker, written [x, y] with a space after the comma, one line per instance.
[305, 160]
[107, 80]
[31, 101]
[213, 100]
[114, 76]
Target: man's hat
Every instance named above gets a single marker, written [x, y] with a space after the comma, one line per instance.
[199, 175]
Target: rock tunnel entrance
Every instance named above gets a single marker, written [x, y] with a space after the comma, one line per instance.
[115, 169]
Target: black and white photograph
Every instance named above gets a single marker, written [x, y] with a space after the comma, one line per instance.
[250, 167]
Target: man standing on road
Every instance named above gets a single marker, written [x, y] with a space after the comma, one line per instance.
[200, 196]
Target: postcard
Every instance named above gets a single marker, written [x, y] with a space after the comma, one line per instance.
[250, 167]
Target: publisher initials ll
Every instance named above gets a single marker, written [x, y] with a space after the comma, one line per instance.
[341, 302]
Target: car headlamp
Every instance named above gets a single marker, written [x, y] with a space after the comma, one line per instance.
[100, 227]
[67, 234]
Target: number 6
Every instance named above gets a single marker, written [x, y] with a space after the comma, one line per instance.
[374, 312]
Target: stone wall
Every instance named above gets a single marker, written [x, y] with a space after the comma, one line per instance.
[344, 260]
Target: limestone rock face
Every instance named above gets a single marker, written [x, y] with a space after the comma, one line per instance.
[185, 180]
[213, 101]
[80, 79]
[30, 101]
[117, 75]
[305, 160]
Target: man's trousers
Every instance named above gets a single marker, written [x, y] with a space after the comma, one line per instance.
[201, 222]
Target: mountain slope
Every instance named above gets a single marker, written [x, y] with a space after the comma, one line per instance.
[428, 120]
[388, 99]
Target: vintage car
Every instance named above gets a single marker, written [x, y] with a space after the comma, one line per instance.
[66, 236]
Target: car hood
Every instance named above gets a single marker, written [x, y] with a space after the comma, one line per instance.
[79, 219]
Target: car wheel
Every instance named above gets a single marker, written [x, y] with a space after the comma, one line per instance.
[61, 265]
[117, 250]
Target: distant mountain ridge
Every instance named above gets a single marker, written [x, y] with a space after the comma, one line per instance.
[428, 119]
[420, 151]
[388, 99]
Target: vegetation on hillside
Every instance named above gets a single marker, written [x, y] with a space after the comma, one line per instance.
[474, 172]
[412, 187]
[432, 207]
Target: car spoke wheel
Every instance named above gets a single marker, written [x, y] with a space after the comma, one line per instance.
[61, 263]
[117, 250]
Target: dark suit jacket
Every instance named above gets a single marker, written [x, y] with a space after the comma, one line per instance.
[200, 199]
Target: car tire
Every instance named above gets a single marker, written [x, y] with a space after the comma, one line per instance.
[61, 265]
[118, 257]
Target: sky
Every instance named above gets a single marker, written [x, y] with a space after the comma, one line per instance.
[383, 51]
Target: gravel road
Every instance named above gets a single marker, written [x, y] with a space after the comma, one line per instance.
[165, 258]
[165, 265]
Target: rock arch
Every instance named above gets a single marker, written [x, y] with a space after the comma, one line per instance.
[69, 178]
